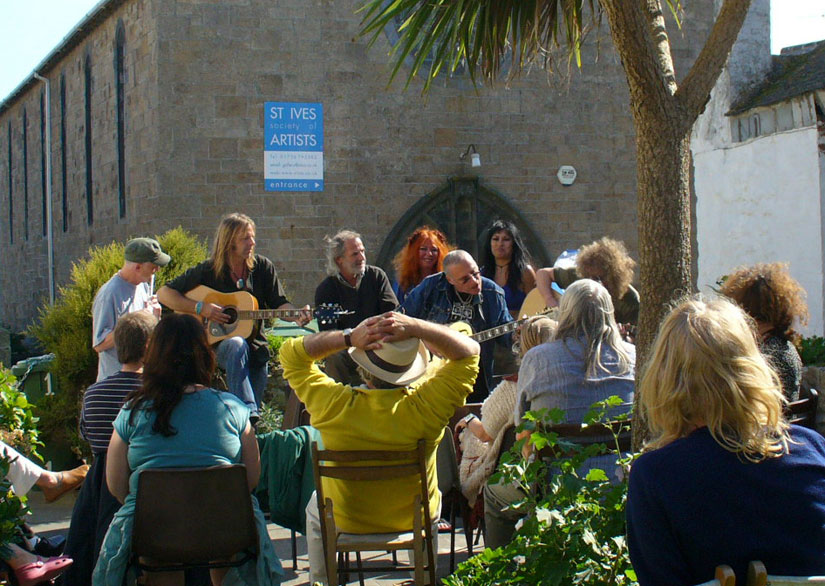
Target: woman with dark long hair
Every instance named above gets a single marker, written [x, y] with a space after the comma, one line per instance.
[176, 421]
[421, 257]
[507, 262]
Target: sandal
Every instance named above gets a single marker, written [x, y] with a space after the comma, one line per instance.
[444, 526]
[43, 570]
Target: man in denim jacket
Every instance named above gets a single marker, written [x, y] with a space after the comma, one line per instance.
[460, 293]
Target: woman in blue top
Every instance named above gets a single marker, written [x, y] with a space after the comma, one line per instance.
[507, 262]
[727, 480]
[176, 421]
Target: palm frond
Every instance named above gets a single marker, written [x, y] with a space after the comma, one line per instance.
[483, 36]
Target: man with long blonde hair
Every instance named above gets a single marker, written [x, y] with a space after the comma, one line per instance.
[234, 266]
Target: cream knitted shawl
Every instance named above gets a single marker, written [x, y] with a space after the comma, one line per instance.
[479, 459]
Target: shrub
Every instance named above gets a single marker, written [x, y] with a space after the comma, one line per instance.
[574, 527]
[65, 328]
[274, 400]
[12, 508]
[812, 351]
[17, 428]
[17, 424]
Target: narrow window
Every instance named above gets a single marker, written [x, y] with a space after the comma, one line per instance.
[120, 115]
[43, 159]
[25, 177]
[88, 103]
[11, 192]
[64, 203]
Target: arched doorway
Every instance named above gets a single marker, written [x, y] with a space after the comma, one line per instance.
[462, 208]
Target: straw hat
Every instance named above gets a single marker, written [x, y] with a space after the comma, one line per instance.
[399, 363]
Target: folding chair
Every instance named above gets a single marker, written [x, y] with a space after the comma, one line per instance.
[193, 518]
[369, 466]
[758, 576]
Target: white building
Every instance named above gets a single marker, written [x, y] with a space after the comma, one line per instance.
[759, 160]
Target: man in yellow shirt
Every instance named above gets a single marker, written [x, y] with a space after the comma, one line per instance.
[392, 411]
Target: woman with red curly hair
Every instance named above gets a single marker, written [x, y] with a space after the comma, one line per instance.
[775, 300]
[422, 256]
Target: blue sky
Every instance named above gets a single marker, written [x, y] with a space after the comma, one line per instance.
[30, 29]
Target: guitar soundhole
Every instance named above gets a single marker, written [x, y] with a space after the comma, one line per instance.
[232, 313]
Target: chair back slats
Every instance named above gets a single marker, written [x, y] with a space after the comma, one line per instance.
[599, 433]
[375, 465]
[803, 411]
[723, 576]
[369, 473]
[193, 515]
[366, 456]
[758, 576]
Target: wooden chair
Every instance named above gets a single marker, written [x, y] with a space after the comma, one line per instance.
[193, 518]
[723, 576]
[599, 433]
[803, 410]
[373, 465]
[758, 576]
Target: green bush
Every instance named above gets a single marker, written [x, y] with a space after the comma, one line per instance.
[17, 423]
[17, 428]
[65, 328]
[274, 400]
[812, 351]
[12, 508]
[574, 527]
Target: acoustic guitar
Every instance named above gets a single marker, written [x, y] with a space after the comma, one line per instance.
[242, 309]
[534, 303]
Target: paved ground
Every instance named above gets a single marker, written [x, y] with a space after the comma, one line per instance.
[54, 518]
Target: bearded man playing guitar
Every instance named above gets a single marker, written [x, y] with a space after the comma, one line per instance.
[235, 267]
[460, 293]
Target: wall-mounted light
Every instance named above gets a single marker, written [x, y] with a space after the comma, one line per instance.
[475, 158]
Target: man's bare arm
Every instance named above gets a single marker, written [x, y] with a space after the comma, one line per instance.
[108, 342]
[544, 283]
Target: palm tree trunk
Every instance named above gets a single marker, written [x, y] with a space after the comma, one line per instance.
[663, 208]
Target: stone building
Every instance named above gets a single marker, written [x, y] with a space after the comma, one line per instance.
[157, 112]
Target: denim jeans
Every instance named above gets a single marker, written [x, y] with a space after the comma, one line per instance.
[245, 381]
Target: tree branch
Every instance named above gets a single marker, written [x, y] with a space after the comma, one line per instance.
[640, 37]
[694, 91]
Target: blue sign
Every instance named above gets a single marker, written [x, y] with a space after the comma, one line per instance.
[293, 146]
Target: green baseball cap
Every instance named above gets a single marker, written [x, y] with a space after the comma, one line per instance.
[146, 250]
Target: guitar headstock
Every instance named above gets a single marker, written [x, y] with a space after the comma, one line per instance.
[328, 313]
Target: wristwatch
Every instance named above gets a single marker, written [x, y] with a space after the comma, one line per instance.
[468, 418]
[347, 337]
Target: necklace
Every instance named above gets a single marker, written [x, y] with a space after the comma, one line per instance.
[240, 280]
[462, 299]
[504, 266]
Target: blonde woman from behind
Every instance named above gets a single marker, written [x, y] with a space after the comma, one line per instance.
[725, 480]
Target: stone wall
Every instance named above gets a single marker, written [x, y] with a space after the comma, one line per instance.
[24, 278]
[199, 74]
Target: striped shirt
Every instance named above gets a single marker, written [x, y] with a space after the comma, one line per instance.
[101, 403]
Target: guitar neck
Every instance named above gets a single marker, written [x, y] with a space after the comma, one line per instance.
[496, 331]
[269, 313]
